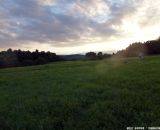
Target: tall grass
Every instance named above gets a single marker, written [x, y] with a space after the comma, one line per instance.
[84, 95]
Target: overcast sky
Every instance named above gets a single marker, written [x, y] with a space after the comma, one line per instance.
[77, 26]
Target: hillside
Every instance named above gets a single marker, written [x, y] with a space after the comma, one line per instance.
[81, 95]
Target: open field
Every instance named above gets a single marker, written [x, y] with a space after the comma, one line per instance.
[83, 95]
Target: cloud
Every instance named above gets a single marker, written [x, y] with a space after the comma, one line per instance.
[62, 23]
[47, 2]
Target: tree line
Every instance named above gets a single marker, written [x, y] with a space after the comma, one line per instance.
[18, 58]
[151, 47]
[96, 56]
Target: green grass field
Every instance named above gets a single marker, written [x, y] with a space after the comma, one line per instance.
[82, 95]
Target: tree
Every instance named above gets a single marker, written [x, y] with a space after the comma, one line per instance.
[91, 55]
[100, 55]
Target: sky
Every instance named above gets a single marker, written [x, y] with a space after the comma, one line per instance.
[77, 26]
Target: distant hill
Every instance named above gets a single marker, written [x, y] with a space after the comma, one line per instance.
[73, 57]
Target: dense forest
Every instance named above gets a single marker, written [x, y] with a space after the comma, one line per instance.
[17, 58]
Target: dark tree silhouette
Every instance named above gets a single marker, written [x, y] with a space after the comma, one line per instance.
[147, 48]
[91, 55]
[100, 55]
[16, 58]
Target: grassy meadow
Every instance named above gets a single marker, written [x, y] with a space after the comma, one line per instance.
[108, 94]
